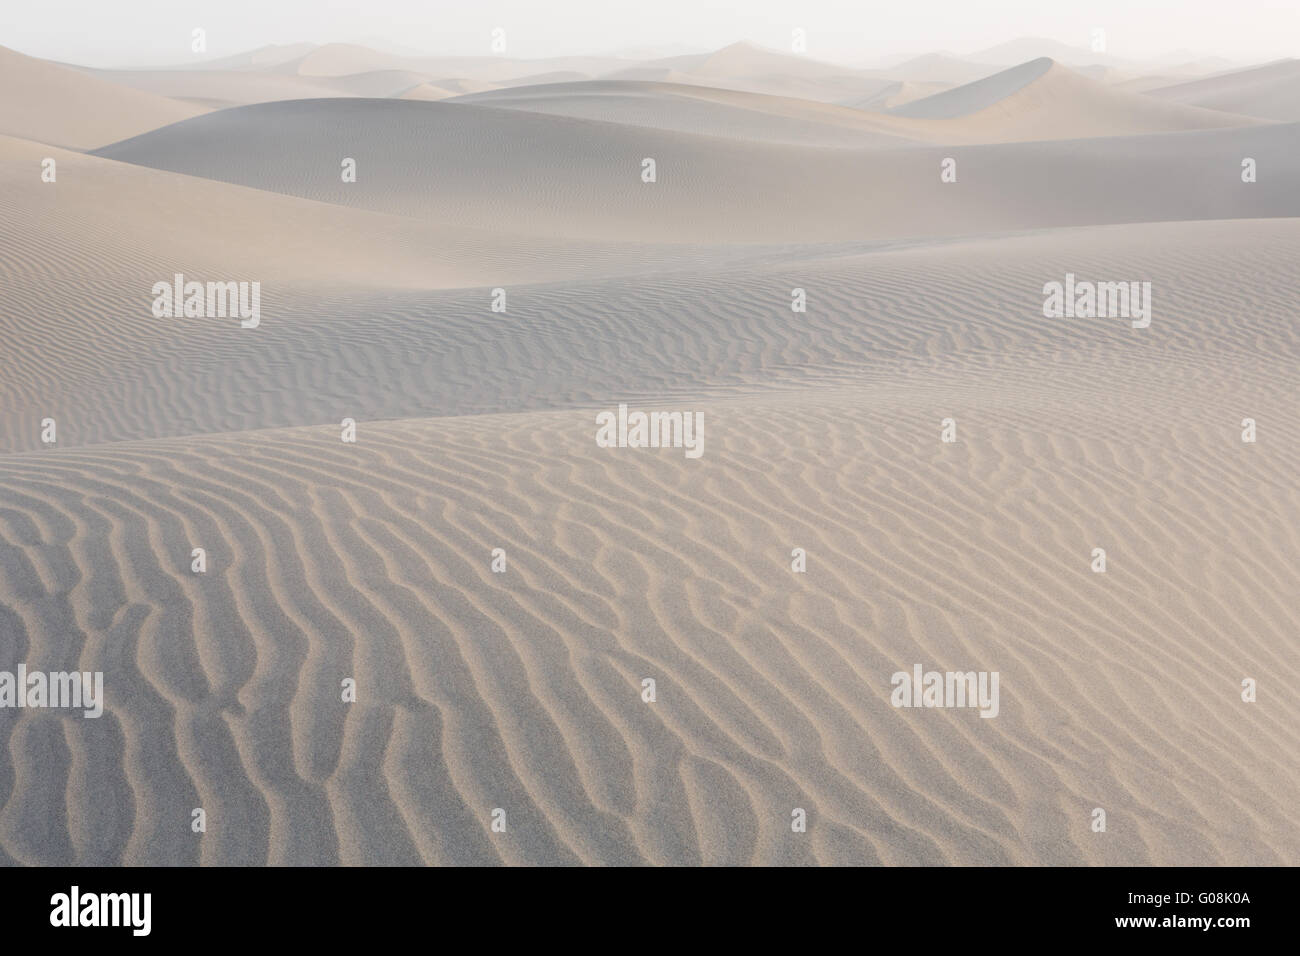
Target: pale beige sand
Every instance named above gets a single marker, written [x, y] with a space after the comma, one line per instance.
[521, 690]
[64, 107]
[258, 76]
[897, 94]
[1042, 99]
[527, 172]
[1036, 100]
[445, 89]
[983, 93]
[694, 109]
[122, 223]
[1271, 91]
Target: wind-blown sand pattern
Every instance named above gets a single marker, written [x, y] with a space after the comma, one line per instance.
[476, 429]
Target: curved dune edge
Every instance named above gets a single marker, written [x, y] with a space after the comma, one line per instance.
[1042, 100]
[457, 164]
[64, 107]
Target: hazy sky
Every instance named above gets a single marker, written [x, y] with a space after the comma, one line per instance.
[130, 32]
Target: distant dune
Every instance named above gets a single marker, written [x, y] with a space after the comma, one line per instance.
[896, 94]
[1043, 100]
[979, 94]
[1271, 91]
[459, 163]
[695, 109]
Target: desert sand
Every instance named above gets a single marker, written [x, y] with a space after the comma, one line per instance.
[522, 690]
[1271, 91]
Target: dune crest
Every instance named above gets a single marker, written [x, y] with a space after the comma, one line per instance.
[52, 104]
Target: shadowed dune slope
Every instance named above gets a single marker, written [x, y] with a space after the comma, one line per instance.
[120, 225]
[1037, 100]
[695, 109]
[1042, 99]
[525, 172]
[896, 94]
[978, 94]
[115, 223]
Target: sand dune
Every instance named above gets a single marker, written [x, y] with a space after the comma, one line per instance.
[896, 94]
[476, 430]
[979, 94]
[121, 218]
[95, 243]
[692, 109]
[63, 107]
[1041, 99]
[744, 62]
[817, 90]
[120, 228]
[458, 163]
[445, 89]
[748, 68]
[521, 690]
[1271, 91]
[403, 352]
